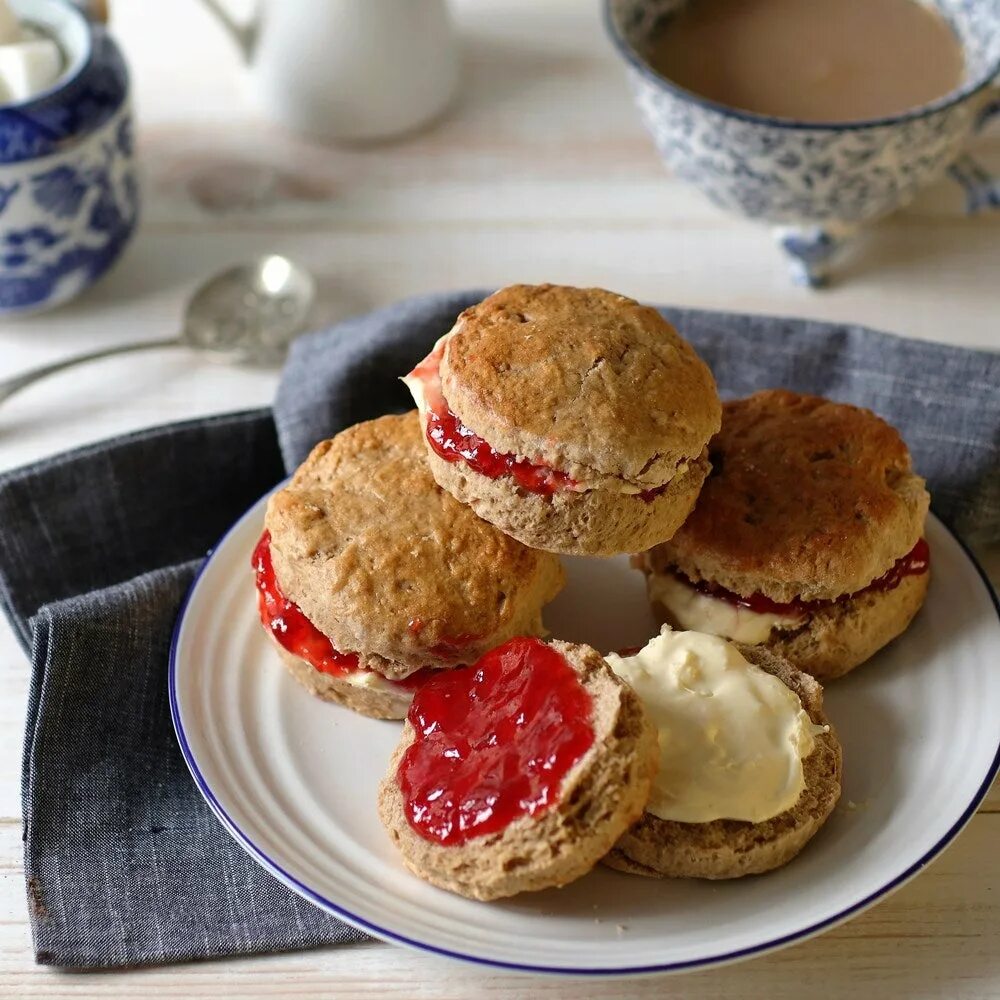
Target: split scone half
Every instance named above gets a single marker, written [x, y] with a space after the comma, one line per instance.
[807, 538]
[750, 768]
[574, 419]
[370, 578]
[517, 773]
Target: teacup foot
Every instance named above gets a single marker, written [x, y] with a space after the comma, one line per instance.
[813, 251]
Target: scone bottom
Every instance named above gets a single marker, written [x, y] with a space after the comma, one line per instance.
[756, 773]
[493, 742]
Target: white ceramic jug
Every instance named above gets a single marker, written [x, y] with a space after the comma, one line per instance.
[351, 70]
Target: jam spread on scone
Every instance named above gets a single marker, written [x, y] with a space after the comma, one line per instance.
[454, 442]
[915, 562]
[293, 631]
[493, 742]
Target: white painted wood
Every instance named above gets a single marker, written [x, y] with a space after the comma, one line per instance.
[540, 172]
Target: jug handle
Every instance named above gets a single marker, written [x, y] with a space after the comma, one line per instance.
[93, 10]
[243, 35]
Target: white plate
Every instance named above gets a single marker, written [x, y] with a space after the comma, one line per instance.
[294, 778]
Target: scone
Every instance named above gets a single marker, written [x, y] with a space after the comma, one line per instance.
[573, 419]
[807, 537]
[519, 772]
[750, 768]
[370, 576]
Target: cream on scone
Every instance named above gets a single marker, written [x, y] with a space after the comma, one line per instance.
[807, 537]
[749, 766]
[575, 420]
[370, 576]
[517, 773]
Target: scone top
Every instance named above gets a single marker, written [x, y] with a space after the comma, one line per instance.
[807, 499]
[592, 383]
[387, 564]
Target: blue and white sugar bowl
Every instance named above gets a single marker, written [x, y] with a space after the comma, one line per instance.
[69, 197]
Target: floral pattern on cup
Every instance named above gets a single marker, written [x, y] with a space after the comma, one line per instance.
[816, 183]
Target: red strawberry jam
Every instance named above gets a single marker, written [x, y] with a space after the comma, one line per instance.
[915, 562]
[454, 442]
[493, 742]
[294, 632]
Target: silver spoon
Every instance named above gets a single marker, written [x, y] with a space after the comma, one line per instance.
[247, 314]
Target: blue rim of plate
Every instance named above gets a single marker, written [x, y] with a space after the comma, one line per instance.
[724, 958]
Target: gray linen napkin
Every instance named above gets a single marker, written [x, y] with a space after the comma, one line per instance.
[125, 864]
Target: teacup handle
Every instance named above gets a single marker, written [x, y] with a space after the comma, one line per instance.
[981, 187]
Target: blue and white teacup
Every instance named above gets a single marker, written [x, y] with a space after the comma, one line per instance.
[69, 197]
[816, 183]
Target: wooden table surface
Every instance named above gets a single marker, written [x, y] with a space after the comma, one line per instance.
[541, 172]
